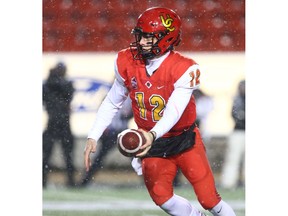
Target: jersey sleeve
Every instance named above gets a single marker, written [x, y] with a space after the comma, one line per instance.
[190, 79]
[173, 111]
[178, 100]
[109, 107]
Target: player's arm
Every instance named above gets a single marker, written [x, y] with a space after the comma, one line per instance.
[106, 112]
[110, 106]
[175, 107]
[178, 100]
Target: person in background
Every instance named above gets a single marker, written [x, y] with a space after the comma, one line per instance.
[204, 105]
[234, 157]
[160, 83]
[57, 96]
[108, 140]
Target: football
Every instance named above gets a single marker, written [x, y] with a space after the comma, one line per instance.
[129, 142]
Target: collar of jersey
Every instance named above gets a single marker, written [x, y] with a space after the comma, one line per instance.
[153, 64]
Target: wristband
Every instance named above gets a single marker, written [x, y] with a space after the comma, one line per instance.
[153, 135]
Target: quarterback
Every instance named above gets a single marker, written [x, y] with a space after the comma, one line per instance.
[160, 83]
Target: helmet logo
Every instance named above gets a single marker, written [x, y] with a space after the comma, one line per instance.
[167, 23]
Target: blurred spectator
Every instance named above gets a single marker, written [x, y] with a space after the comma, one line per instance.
[108, 140]
[204, 105]
[57, 96]
[234, 157]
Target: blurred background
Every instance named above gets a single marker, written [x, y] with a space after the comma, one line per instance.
[97, 26]
[87, 34]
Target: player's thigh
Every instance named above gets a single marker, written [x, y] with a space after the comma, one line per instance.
[159, 174]
[194, 164]
[195, 167]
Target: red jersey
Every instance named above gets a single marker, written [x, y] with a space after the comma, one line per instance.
[150, 94]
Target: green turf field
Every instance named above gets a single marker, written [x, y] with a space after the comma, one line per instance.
[121, 201]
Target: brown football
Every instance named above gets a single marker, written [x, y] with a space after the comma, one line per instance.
[129, 142]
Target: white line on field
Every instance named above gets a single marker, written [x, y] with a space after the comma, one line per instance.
[118, 204]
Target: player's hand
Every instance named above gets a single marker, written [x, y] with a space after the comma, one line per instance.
[147, 145]
[89, 148]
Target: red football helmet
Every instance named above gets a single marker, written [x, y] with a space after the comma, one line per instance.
[163, 24]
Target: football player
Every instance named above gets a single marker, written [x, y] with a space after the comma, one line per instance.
[160, 82]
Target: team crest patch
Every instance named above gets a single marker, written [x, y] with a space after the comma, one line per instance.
[134, 83]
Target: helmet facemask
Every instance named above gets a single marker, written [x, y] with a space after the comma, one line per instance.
[137, 49]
